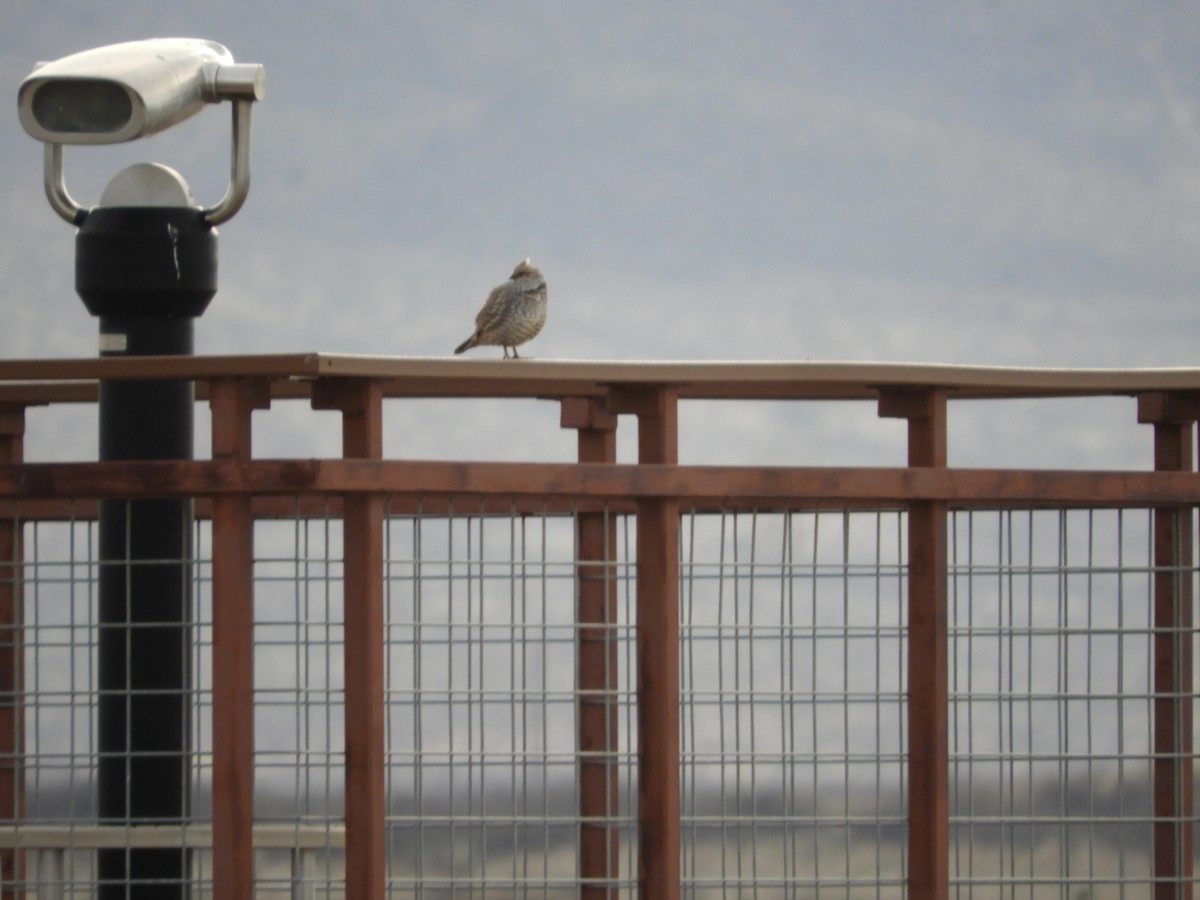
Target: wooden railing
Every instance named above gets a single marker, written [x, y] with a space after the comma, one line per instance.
[234, 487]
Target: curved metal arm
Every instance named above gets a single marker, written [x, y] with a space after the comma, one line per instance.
[239, 167]
[71, 211]
[55, 184]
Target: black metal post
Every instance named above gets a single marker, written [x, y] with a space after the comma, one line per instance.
[146, 273]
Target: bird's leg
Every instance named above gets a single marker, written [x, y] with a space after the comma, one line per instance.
[515, 354]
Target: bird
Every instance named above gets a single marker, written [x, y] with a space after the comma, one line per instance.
[513, 313]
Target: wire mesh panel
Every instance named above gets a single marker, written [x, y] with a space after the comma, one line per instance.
[299, 719]
[1052, 620]
[61, 664]
[793, 776]
[482, 704]
[793, 627]
[59, 586]
[297, 711]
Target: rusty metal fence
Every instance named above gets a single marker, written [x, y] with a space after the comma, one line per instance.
[591, 679]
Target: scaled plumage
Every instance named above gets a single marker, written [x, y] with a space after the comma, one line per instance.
[513, 313]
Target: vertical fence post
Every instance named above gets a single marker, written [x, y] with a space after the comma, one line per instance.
[1174, 421]
[12, 680]
[659, 865]
[233, 401]
[361, 404]
[928, 671]
[596, 662]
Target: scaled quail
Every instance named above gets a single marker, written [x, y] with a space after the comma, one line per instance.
[514, 312]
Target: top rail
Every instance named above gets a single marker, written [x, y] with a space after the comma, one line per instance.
[44, 381]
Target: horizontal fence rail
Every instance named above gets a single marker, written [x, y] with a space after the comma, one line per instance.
[582, 482]
[433, 678]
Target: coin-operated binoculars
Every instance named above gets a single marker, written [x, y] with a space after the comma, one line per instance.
[146, 267]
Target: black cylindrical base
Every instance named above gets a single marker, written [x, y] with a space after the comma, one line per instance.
[145, 602]
[146, 273]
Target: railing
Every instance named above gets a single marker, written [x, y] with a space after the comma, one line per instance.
[646, 753]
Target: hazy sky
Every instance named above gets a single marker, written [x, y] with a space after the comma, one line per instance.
[976, 182]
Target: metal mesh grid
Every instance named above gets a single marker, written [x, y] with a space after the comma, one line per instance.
[297, 704]
[1052, 702]
[298, 692]
[60, 580]
[793, 672]
[793, 711]
[482, 704]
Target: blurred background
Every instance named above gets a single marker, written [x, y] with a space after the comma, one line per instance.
[991, 183]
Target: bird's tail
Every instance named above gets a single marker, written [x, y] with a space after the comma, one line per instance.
[465, 345]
